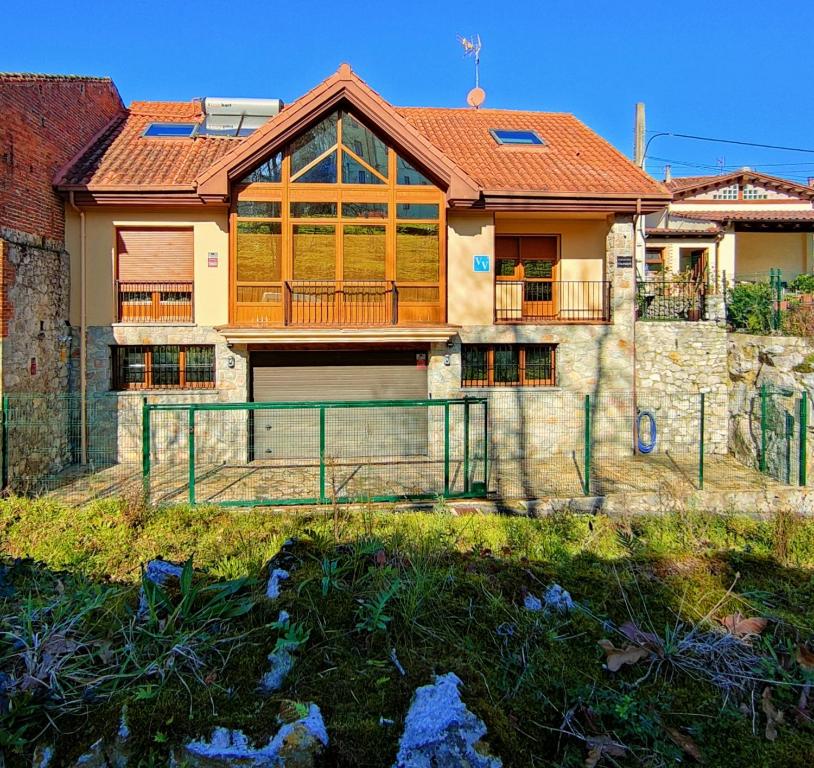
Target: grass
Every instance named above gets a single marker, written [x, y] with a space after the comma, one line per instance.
[437, 592]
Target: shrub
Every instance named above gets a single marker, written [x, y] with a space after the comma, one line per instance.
[750, 307]
[798, 320]
[802, 284]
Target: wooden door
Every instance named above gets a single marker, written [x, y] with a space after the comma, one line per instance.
[539, 266]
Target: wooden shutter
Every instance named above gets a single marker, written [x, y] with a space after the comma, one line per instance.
[155, 255]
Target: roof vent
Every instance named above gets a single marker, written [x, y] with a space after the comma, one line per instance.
[236, 117]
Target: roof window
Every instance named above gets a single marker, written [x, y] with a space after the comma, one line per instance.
[169, 130]
[513, 137]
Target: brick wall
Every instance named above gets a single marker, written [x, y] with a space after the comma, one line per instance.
[46, 120]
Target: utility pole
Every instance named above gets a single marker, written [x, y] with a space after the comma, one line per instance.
[638, 135]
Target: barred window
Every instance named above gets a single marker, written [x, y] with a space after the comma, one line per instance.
[163, 367]
[508, 365]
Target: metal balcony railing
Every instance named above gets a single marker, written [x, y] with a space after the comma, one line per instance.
[557, 301]
[154, 302]
[340, 302]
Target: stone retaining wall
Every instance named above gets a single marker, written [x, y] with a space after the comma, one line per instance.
[674, 362]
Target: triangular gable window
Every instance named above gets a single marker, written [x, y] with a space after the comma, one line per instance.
[339, 149]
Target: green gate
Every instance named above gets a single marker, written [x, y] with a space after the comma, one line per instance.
[349, 451]
[783, 434]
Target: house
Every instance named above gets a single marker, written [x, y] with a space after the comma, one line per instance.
[736, 226]
[44, 121]
[342, 248]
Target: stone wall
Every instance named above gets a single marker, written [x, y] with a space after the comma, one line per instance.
[35, 351]
[785, 364]
[675, 361]
[114, 418]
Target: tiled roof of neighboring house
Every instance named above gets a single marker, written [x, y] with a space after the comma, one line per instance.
[573, 159]
[121, 157]
[768, 216]
[681, 185]
[683, 232]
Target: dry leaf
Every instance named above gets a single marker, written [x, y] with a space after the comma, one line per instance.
[740, 626]
[601, 745]
[636, 635]
[686, 743]
[773, 715]
[805, 657]
[616, 658]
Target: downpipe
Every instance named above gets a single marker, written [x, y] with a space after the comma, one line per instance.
[83, 351]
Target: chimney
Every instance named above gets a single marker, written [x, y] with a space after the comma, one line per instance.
[668, 173]
[638, 135]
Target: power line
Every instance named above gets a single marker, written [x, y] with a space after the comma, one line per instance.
[733, 141]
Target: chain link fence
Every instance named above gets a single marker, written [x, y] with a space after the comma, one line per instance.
[507, 444]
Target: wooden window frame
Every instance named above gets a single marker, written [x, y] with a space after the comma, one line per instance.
[119, 385]
[523, 379]
[391, 193]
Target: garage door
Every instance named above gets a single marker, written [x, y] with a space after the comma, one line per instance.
[350, 375]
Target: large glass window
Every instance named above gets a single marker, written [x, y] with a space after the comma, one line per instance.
[314, 252]
[335, 207]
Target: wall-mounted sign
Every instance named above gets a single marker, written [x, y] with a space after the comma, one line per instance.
[624, 262]
[480, 263]
[212, 259]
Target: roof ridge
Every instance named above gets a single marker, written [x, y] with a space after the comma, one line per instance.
[56, 78]
[481, 110]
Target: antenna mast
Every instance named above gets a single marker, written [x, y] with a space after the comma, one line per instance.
[472, 46]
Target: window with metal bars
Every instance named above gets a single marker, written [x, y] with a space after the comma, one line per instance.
[508, 365]
[163, 367]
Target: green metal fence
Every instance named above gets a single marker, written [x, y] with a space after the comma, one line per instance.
[507, 444]
[315, 453]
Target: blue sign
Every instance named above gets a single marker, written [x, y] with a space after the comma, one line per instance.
[480, 264]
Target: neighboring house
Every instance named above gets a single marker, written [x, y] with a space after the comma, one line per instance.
[44, 121]
[738, 226]
[350, 249]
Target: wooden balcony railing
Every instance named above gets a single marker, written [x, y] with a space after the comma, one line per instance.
[658, 299]
[552, 301]
[344, 302]
[152, 302]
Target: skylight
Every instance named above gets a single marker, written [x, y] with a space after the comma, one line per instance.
[513, 137]
[169, 130]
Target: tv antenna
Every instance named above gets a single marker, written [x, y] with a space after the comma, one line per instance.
[472, 46]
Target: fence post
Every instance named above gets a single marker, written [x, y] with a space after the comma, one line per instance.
[4, 443]
[145, 448]
[466, 445]
[446, 449]
[701, 445]
[763, 426]
[587, 479]
[779, 290]
[191, 446]
[485, 447]
[322, 497]
[803, 465]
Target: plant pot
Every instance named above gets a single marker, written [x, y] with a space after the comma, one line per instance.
[694, 314]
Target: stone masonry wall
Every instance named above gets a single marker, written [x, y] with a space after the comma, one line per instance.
[675, 362]
[591, 359]
[114, 418]
[35, 351]
[786, 365]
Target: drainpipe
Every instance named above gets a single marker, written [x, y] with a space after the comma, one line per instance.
[636, 224]
[83, 350]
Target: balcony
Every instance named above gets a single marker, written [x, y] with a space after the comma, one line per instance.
[540, 300]
[152, 302]
[345, 303]
[670, 300]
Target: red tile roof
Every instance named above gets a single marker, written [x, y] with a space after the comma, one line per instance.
[682, 184]
[574, 158]
[769, 216]
[122, 157]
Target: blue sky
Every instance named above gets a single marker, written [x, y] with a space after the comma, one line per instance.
[734, 69]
